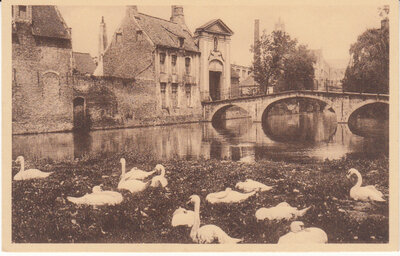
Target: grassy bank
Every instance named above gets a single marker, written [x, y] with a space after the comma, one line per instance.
[40, 212]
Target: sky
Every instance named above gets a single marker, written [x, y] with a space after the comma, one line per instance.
[330, 28]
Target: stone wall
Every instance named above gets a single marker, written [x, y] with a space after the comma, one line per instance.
[112, 102]
[40, 72]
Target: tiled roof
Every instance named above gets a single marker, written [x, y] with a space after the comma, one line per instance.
[47, 21]
[165, 33]
[249, 81]
[83, 63]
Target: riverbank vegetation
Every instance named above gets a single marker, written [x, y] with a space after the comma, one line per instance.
[41, 213]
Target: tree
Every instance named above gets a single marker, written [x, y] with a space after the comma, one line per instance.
[299, 70]
[279, 62]
[368, 70]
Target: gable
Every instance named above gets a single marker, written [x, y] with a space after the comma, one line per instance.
[216, 27]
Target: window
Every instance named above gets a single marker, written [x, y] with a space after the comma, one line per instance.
[188, 91]
[174, 95]
[138, 34]
[215, 44]
[187, 65]
[163, 87]
[118, 37]
[22, 11]
[162, 62]
[173, 64]
[181, 41]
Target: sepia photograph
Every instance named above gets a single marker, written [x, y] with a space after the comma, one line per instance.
[172, 124]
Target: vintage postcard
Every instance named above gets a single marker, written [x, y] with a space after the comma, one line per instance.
[200, 126]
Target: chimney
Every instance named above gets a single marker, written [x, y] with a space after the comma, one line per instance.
[385, 23]
[177, 14]
[102, 38]
[131, 10]
[256, 35]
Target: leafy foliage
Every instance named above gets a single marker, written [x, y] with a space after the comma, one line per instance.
[40, 212]
[369, 67]
[281, 63]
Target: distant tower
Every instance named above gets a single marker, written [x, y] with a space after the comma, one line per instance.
[256, 36]
[102, 39]
[280, 25]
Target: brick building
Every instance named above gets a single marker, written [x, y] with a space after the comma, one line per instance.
[179, 67]
[152, 71]
[41, 68]
[327, 76]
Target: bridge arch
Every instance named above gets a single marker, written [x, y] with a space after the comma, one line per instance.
[360, 105]
[221, 110]
[265, 108]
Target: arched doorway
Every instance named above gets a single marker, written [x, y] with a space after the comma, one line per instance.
[79, 114]
[215, 79]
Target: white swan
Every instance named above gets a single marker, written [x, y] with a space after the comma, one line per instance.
[300, 235]
[98, 197]
[30, 173]
[160, 180]
[208, 233]
[365, 193]
[182, 217]
[250, 185]
[228, 196]
[281, 211]
[132, 185]
[135, 173]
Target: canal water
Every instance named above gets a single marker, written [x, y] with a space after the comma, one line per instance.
[290, 137]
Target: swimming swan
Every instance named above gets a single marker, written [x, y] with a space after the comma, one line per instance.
[365, 193]
[132, 185]
[228, 196]
[281, 211]
[135, 173]
[250, 185]
[182, 217]
[160, 180]
[208, 233]
[98, 197]
[300, 235]
[30, 173]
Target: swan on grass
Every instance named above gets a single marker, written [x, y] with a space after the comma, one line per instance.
[132, 185]
[135, 173]
[30, 173]
[228, 196]
[98, 197]
[366, 193]
[208, 233]
[160, 180]
[281, 211]
[251, 185]
[182, 217]
[300, 235]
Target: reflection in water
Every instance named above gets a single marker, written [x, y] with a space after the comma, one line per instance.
[304, 127]
[295, 137]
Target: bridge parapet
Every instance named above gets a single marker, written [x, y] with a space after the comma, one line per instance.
[343, 103]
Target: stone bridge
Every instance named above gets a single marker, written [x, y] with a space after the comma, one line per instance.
[343, 104]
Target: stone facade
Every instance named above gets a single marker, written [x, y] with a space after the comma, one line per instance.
[242, 71]
[326, 76]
